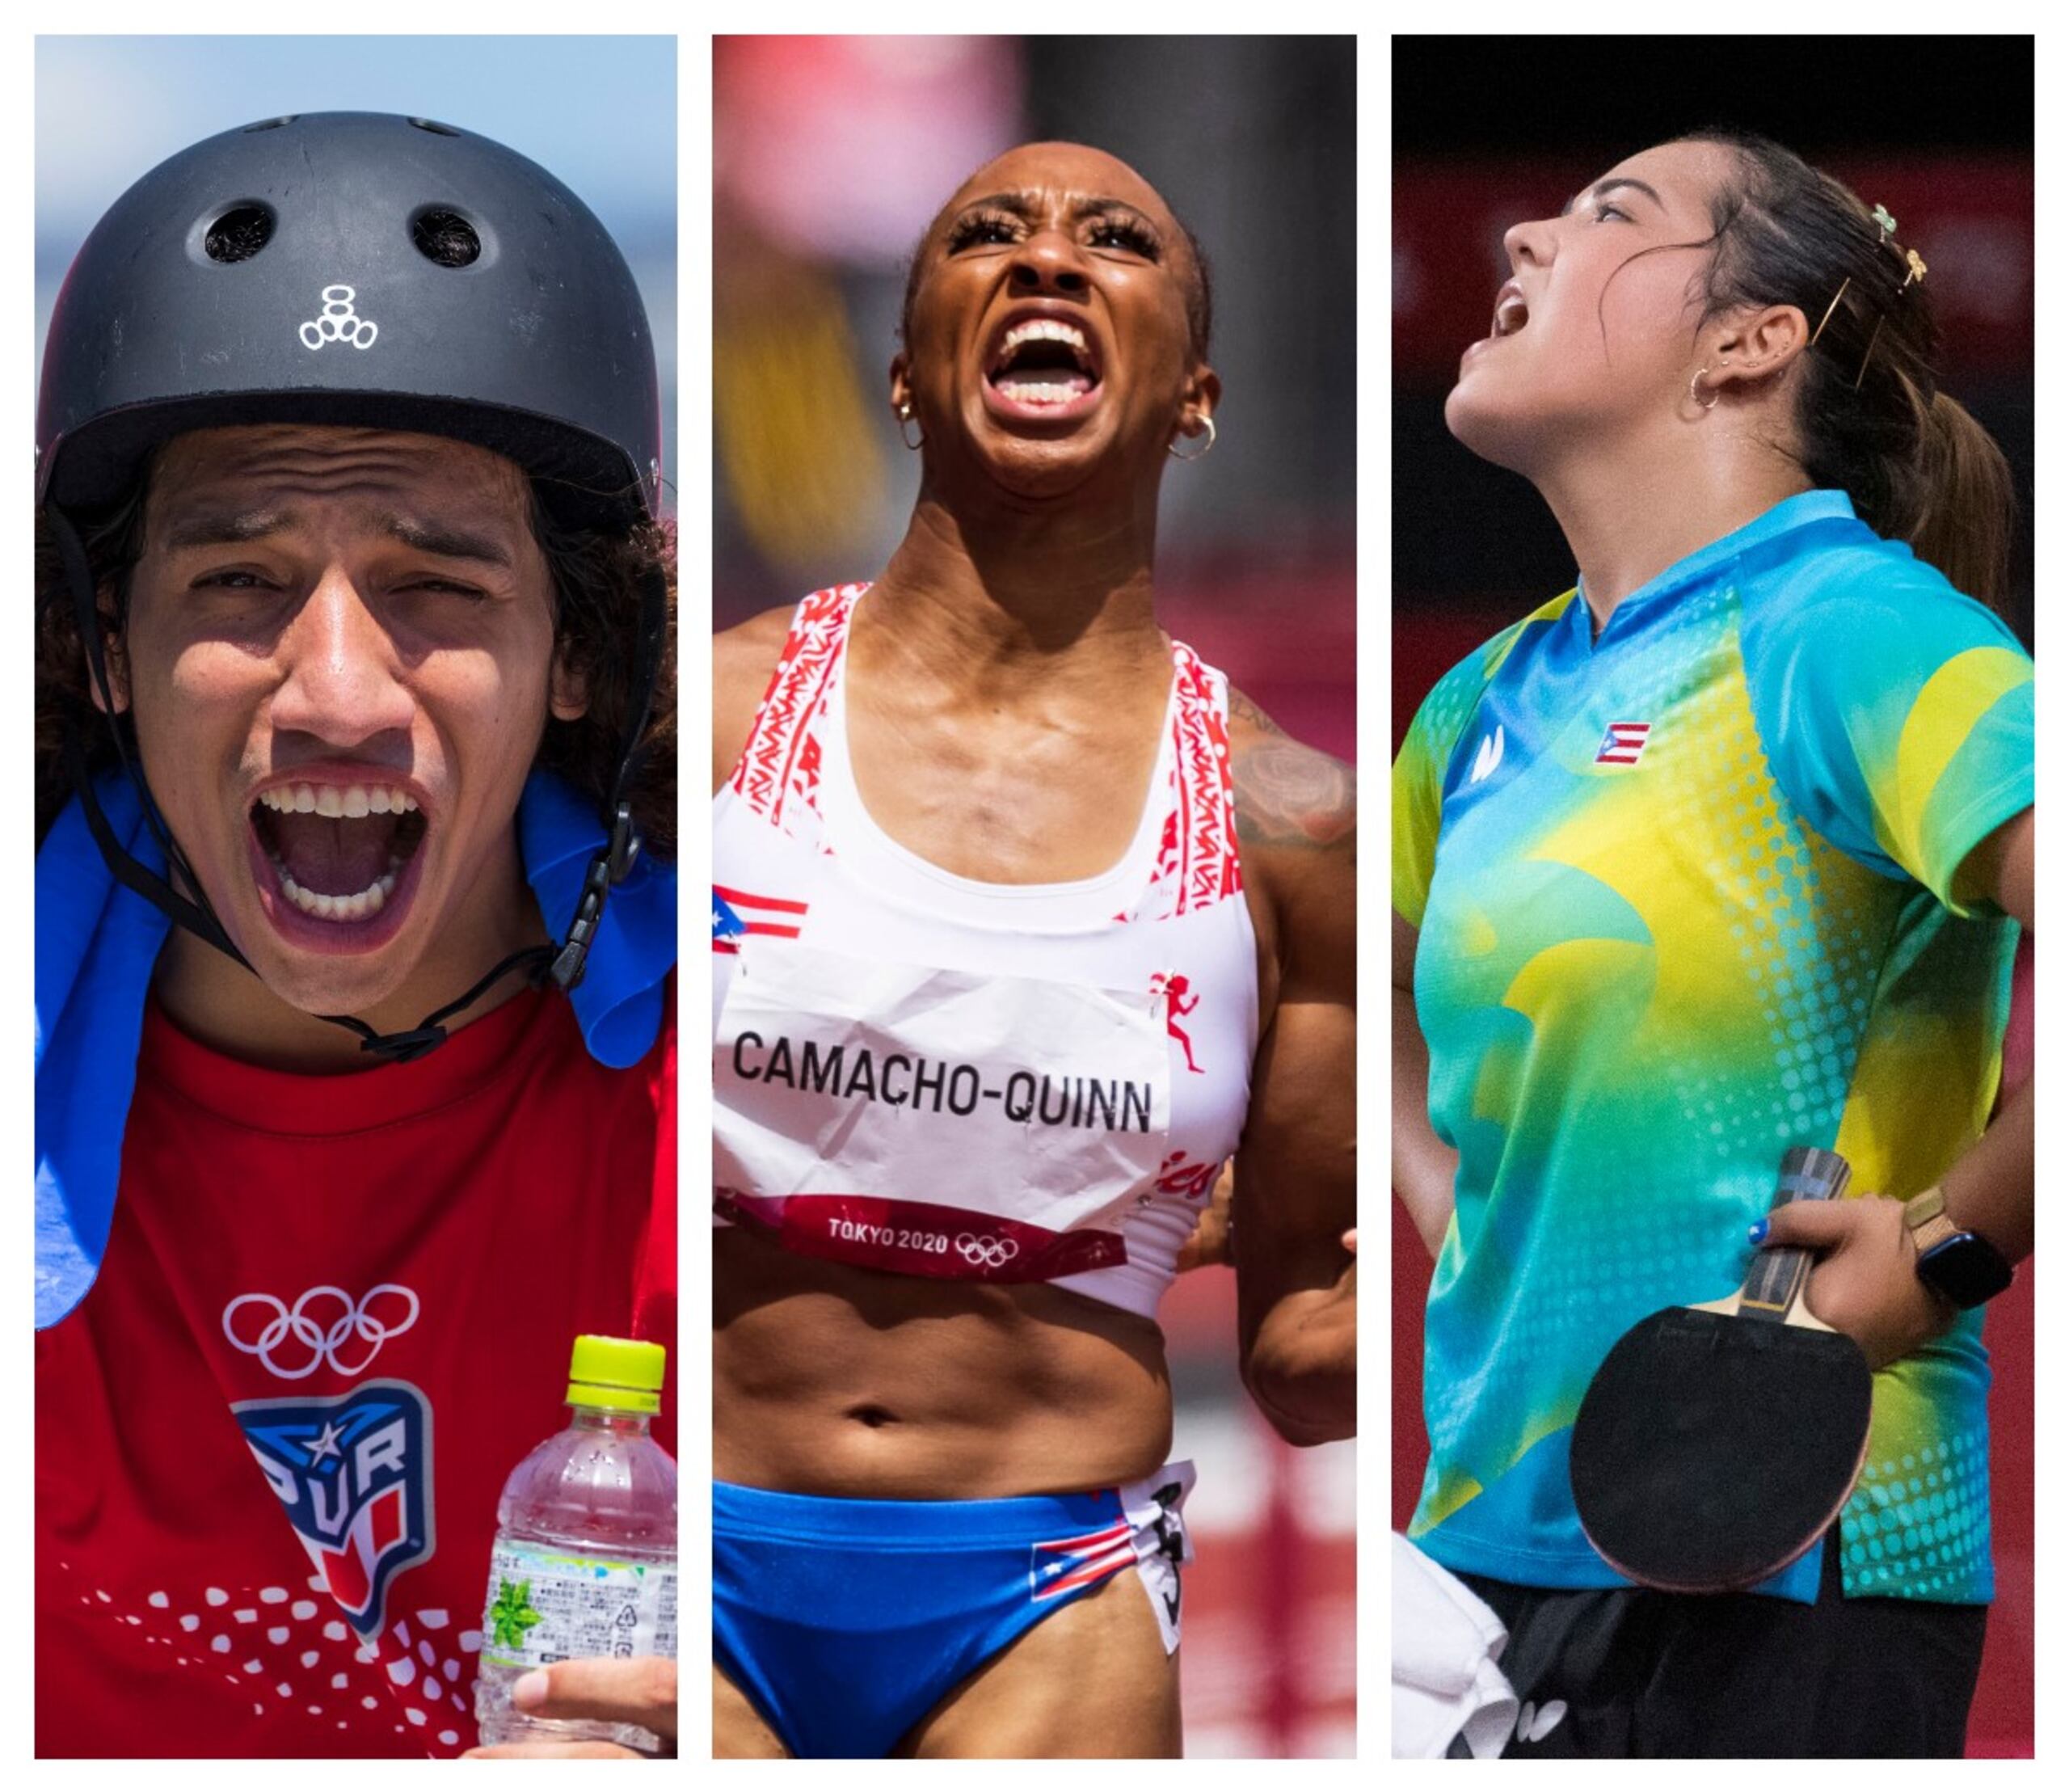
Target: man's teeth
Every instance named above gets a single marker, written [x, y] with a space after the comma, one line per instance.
[1043, 330]
[1026, 392]
[332, 908]
[352, 800]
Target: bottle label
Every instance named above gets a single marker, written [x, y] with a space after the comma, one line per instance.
[546, 1604]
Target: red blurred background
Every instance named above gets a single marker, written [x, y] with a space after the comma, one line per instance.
[830, 156]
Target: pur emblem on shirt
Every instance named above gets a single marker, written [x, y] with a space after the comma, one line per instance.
[1623, 743]
[1488, 757]
[354, 1474]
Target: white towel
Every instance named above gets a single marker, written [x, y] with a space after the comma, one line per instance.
[1446, 1643]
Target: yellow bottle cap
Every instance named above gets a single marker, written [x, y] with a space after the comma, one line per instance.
[616, 1372]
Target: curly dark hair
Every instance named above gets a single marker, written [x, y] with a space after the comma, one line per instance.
[596, 580]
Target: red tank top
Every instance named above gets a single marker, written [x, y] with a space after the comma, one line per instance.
[334, 1315]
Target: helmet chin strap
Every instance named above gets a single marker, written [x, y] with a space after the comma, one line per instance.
[564, 963]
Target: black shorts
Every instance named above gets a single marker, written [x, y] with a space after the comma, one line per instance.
[1626, 1672]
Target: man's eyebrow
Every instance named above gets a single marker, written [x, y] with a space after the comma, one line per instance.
[225, 528]
[1602, 188]
[446, 541]
[233, 528]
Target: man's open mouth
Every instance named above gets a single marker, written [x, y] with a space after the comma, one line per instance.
[1043, 362]
[338, 850]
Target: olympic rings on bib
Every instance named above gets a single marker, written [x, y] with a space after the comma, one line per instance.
[322, 1343]
[987, 1253]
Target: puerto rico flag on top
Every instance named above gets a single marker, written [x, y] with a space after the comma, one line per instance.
[1623, 743]
[737, 913]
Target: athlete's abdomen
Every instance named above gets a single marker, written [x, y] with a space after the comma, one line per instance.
[830, 1379]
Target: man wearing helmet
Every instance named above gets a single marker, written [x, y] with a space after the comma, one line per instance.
[356, 928]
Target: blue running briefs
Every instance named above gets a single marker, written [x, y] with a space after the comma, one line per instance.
[846, 1620]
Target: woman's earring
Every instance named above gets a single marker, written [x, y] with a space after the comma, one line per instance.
[904, 417]
[1172, 448]
[1693, 394]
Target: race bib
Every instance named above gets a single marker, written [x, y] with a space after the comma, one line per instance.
[936, 1123]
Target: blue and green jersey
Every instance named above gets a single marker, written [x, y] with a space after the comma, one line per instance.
[1687, 895]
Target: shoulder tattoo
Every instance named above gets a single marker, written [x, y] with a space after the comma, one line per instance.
[1287, 795]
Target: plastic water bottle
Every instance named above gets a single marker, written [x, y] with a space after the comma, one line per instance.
[584, 1561]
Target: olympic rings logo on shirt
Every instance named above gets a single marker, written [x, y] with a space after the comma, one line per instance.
[339, 322]
[992, 1253]
[323, 1342]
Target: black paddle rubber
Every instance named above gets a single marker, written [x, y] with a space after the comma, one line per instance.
[1711, 1450]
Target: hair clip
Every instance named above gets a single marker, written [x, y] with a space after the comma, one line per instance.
[1917, 265]
[1829, 310]
[1886, 225]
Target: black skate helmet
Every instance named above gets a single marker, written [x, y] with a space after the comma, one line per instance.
[357, 268]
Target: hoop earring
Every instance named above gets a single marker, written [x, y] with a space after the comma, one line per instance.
[1172, 448]
[904, 417]
[1714, 396]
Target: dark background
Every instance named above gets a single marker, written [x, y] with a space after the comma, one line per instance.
[1488, 131]
[1943, 126]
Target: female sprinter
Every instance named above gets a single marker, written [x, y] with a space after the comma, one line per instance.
[355, 1096]
[988, 842]
[1725, 850]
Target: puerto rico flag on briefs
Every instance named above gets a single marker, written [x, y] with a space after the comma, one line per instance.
[1623, 743]
[736, 914]
[1070, 1562]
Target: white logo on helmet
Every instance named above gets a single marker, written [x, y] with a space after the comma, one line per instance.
[339, 322]
[357, 1319]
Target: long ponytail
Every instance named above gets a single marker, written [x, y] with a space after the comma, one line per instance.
[1967, 510]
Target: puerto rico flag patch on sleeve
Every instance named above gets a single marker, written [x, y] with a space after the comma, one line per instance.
[1623, 743]
[735, 914]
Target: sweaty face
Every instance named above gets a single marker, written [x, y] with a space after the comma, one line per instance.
[1579, 343]
[339, 657]
[1048, 328]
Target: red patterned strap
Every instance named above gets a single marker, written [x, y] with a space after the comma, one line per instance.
[777, 774]
[1198, 863]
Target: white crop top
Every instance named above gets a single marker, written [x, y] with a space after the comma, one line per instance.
[919, 1073]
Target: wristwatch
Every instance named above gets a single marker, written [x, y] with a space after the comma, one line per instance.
[1965, 1268]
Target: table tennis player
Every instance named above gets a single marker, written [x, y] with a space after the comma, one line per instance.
[1724, 850]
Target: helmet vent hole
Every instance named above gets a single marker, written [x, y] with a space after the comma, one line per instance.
[445, 237]
[270, 124]
[435, 129]
[239, 233]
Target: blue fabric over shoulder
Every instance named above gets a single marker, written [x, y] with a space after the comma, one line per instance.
[96, 943]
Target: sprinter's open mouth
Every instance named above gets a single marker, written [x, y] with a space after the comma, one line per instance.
[1043, 360]
[338, 849]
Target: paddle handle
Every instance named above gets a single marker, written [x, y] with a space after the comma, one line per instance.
[1778, 1274]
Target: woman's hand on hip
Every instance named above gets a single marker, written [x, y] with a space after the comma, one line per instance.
[1865, 1282]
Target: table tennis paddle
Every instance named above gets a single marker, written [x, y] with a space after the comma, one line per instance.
[1718, 1442]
